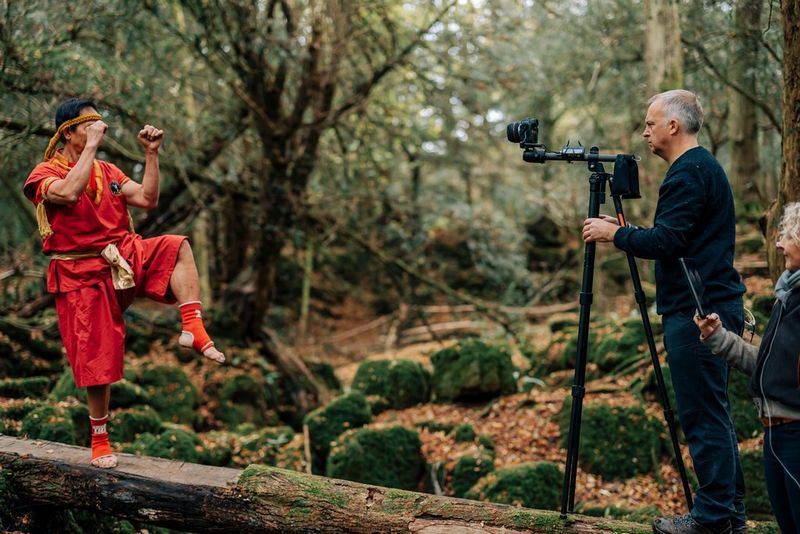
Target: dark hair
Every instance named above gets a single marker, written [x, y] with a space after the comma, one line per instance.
[71, 109]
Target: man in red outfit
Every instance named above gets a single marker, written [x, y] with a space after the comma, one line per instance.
[99, 265]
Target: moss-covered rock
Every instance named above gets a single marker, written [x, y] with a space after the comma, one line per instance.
[361, 456]
[756, 498]
[65, 388]
[125, 394]
[243, 398]
[174, 443]
[171, 393]
[396, 383]
[325, 424]
[469, 469]
[127, 424]
[28, 387]
[464, 433]
[532, 485]
[616, 442]
[472, 370]
[51, 423]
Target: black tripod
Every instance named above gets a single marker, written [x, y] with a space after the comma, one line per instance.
[620, 188]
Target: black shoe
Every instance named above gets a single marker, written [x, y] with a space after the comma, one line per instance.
[685, 524]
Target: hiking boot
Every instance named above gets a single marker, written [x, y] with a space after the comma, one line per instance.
[685, 524]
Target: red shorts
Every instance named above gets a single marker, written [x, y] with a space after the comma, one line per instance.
[90, 317]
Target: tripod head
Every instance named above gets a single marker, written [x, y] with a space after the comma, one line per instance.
[624, 182]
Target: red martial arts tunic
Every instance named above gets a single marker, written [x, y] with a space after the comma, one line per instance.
[89, 308]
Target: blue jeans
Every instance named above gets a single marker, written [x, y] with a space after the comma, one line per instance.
[782, 473]
[700, 381]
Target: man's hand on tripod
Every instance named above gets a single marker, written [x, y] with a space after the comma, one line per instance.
[600, 229]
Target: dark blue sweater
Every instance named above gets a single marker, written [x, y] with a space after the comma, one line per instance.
[694, 218]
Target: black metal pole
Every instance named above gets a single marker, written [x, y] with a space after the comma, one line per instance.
[597, 184]
[641, 300]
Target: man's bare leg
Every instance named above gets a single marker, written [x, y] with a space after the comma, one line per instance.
[97, 397]
[185, 285]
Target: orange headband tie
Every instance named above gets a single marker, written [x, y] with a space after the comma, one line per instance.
[51, 146]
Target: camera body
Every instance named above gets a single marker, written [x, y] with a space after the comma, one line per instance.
[624, 182]
[524, 132]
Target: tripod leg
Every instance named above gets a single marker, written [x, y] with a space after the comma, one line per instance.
[596, 197]
[662, 389]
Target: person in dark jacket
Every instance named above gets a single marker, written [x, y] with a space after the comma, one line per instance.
[774, 368]
[694, 218]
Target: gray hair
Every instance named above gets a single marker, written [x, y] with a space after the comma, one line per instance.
[789, 227]
[682, 105]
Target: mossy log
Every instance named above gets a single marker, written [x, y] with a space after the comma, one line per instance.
[259, 499]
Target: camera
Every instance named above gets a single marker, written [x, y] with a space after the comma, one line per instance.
[625, 180]
[524, 132]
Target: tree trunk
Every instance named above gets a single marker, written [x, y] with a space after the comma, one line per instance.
[790, 171]
[259, 499]
[663, 53]
[743, 120]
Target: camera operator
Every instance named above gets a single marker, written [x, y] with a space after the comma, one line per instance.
[694, 218]
[774, 376]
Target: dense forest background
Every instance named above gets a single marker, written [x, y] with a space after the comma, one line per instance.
[342, 167]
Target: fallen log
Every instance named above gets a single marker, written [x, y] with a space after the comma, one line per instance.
[201, 498]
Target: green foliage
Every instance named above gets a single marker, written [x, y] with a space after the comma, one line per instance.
[464, 433]
[65, 387]
[171, 393]
[616, 442]
[470, 370]
[33, 387]
[326, 423]
[743, 410]
[174, 443]
[756, 498]
[469, 469]
[267, 442]
[436, 426]
[325, 372]
[125, 394]
[532, 485]
[125, 425]
[400, 383]
[51, 423]
[245, 398]
[361, 456]
[645, 514]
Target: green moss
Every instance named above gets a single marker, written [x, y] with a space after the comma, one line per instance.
[219, 447]
[30, 387]
[18, 409]
[267, 443]
[743, 410]
[326, 423]
[464, 433]
[435, 426]
[361, 456]
[65, 388]
[127, 424]
[396, 501]
[468, 470]
[325, 373]
[174, 443]
[532, 485]
[125, 394]
[616, 442]
[171, 393]
[246, 398]
[50, 423]
[400, 383]
[317, 487]
[472, 370]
